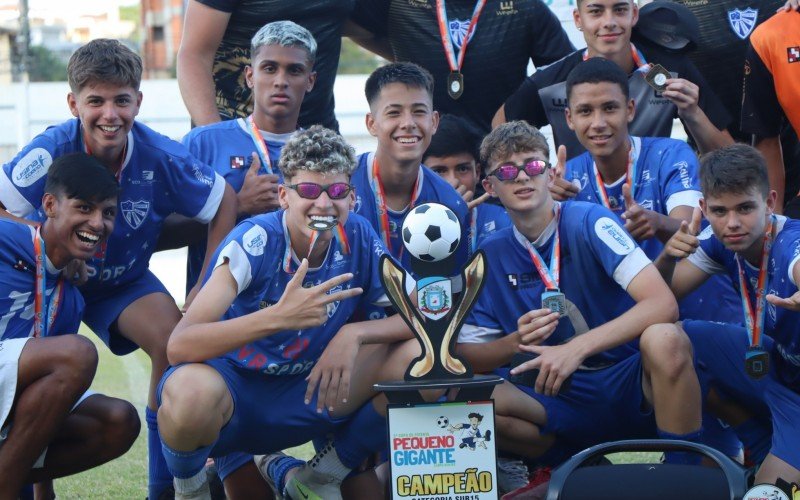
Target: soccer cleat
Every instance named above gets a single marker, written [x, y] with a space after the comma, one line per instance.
[309, 484]
[511, 474]
[265, 466]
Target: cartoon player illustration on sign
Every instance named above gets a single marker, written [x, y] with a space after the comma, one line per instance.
[471, 433]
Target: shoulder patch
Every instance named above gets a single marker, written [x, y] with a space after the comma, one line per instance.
[614, 236]
[31, 167]
[254, 241]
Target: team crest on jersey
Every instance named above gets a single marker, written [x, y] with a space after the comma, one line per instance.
[743, 21]
[435, 299]
[793, 54]
[135, 212]
[458, 32]
[237, 162]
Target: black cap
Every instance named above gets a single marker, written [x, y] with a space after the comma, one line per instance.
[668, 24]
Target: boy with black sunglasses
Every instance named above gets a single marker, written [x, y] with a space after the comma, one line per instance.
[567, 283]
[285, 285]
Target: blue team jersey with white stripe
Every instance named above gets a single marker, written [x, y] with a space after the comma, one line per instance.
[598, 261]
[490, 219]
[158, 177]
[781, 324]
[255, 250]
[227, 147]
[18, 286]
[666, 177]
[430, 189]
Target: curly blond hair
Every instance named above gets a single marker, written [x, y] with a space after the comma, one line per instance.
[316, 149]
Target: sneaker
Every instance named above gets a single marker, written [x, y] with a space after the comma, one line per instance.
[262, 464]
[536, 488]
[308, 484]
[511, 474]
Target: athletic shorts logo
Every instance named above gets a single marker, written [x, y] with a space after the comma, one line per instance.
[31, 167]
[793, 54]
[743, 21]
[134, 212]
[613, 236]
[254, 241]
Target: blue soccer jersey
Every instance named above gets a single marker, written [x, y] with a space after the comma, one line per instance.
[598, 261]
[781, 324]
[227, 147]
[256, 251]
[158, 177]
[430, 188]
[666, 173]
[485, 220]
[18, 286]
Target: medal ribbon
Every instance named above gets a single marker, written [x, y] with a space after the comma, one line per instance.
[341, 237]
[630, 176]
[550, 276]
[382, 209]
[754, 320]
[45, 310]
[473, 230]
[261, 145]
[447, 40]
[638, 59]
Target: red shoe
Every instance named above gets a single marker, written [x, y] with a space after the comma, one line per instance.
[536, 489]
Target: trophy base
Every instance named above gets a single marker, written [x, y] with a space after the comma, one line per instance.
[477, 388]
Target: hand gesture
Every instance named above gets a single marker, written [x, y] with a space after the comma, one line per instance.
[332, 372]
[259, 193]
[639, 222]
[462, 190]
[534, 327]
[555, 364]
[477, 201]
[561, 189]
[790, 5]
[791, 303]
[684, 94]
[300, 308]
[684, 242]
[76, 272]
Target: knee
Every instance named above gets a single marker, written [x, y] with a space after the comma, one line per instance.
[122, 426]
[75, 362]
[666, 351]
[193, 399]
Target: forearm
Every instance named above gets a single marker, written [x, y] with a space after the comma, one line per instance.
[485, 357]
[665, 264]
[192, 343]
[381, 331]
[179, 231]
[706, 135]
[196, 83]
[770, 147]
[220, 225]
[667, 226]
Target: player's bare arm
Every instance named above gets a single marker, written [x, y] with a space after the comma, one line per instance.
[487, 356]
[202, 34]
[793, 302]
[200, 336]
[685, 95]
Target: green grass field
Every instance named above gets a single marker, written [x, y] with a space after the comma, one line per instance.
[126, 377]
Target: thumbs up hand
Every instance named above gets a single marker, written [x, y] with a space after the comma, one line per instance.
[561, 189]
[684, 242]
[259, 193]
[639, 222]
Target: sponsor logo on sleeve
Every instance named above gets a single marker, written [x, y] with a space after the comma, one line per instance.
[614, 236]
[31, 167]
[254, 241]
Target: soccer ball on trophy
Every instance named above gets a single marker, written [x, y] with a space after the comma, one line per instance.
[431, 232]
[442, 422]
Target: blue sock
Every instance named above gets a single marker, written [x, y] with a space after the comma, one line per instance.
[278, 468]
[682, 457]
[186, 464]
[159, 477]
[364, 434]
[757, 439]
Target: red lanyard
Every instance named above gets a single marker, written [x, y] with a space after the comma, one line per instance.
[630, 176]
[754, 320]
[447, 41]
[382, 209]
[638, 59]
[550, 276]
[261, 145]
[341, 237]
[45, 310]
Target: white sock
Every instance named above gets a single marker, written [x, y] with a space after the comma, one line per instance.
[191, 484]
[326, 461]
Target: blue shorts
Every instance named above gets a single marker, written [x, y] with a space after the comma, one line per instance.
[721, 349]
[268, 414]
[104, 306]
[601, 405]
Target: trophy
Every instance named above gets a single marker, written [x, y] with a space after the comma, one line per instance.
[436, 308]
